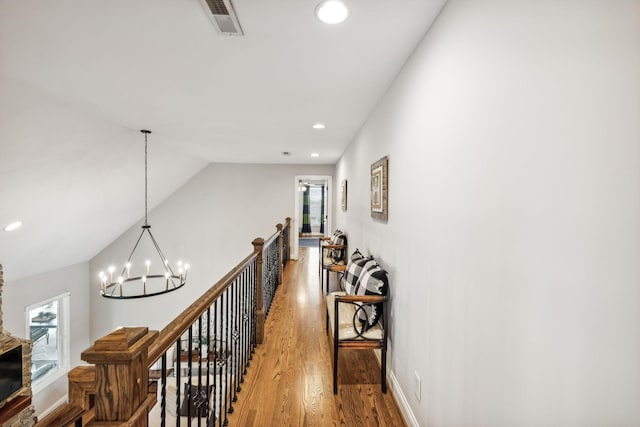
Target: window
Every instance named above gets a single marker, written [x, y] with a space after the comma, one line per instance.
[48, 329]
[315, 206]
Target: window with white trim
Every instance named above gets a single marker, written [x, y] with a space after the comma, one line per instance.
[48, 330]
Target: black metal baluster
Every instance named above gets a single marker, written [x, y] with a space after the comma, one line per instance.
[250, 291]
[163, 390]
[265, 281]
[228, 326]
[236, 339]
[178, 371]
[244, 325]
[254, 307]
[270, 280]
[231, 366]
[188, 396]
[200, 344]
[209, 358]
[274, 270]
[217, 390]
[225, 311]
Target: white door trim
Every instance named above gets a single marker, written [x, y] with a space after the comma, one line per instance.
[298, 208]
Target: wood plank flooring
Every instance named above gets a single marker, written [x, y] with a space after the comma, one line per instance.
[289, 380]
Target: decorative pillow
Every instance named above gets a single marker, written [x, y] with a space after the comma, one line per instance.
[337, 255]
[357, 263]
[373, 281]
[197, 398]
[335, 234]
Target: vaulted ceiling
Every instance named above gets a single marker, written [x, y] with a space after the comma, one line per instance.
[79, 78]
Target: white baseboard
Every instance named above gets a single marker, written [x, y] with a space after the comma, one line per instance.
[401, 399]
[50, 409]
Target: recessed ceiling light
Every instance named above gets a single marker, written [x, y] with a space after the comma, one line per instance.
[318, 126]
[13, 226]
[315, 155]
[332, 11]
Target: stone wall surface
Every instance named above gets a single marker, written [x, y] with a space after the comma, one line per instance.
[26, 418]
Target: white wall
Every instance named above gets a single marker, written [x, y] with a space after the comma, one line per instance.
[211, 222]
[513, 240]
[19, 294]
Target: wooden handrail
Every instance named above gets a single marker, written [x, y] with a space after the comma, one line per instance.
[141, 353]
[174, 330]
[270, 240]
[63, 416]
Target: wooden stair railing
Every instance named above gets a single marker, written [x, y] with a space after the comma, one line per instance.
[80, 409]
[116, 389]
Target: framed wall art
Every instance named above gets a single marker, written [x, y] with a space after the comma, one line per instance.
[344, 195]
[379, 189]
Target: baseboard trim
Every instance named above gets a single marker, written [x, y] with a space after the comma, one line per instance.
[403, 403]
[63, 400]
[398, 395]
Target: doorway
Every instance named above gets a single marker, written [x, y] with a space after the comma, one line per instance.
[312, 218]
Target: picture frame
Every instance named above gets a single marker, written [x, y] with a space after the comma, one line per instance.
[379, 189]
[343, 195]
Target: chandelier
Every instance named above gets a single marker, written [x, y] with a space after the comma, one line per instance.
[143, 282]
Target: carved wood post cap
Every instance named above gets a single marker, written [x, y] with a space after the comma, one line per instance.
[258, 242]
[279, 227]
[120, 346]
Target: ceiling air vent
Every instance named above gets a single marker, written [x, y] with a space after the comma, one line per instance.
[223, 17]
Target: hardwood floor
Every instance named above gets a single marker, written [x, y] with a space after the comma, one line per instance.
[289, 380]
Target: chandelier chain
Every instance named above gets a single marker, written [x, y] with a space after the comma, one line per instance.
[146, 221]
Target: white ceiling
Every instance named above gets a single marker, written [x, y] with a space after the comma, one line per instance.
[79, 78]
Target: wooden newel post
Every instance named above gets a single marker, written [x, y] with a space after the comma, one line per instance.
[122, 376]
[287, 241]
[280, 252]
[258, 245]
